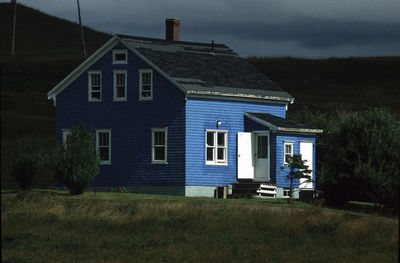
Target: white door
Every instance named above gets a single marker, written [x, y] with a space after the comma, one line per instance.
[261, 156]
[306, 151]
[245, 168]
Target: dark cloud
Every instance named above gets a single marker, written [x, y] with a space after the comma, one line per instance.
[256, 27]
[309, 33]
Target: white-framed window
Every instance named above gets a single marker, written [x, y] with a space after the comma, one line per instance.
[94, 86]
[120, 84]
[65, 137]
[216, 147]
[145, 84]
[103, 145]
[285, 193]
[287, 152]
[120, 56]
[159, 145]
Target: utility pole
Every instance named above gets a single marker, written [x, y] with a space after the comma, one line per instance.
[14, 24]
[80, 23]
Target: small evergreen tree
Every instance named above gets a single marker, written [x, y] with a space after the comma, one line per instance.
[78, 162]
[297, 170]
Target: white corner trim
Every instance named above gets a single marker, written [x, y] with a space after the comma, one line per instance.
[82, 67]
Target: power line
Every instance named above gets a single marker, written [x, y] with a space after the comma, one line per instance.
[80, 23]
[15, 21]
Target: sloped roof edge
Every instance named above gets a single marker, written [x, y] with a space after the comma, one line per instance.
[81, 68]
[283, 128]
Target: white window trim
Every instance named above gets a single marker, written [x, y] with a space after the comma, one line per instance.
[65, 133]
[90, 99]
[283, 193]
[97, 144]
[115, 85]
[141, 71]
[215, 161]
[165, 130]
[284, 151]
[120, 51]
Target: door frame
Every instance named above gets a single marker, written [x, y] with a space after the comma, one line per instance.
[303, 187]
[254, 153]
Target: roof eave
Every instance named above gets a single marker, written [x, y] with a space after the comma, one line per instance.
[239, 95]
[81, 68]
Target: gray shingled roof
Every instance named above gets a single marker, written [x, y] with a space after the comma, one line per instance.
[202, 69]
[281, 124]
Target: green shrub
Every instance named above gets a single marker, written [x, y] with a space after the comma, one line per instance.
[30, 157]
[78, 162]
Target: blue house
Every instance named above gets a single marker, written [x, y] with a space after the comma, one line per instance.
[182, 118]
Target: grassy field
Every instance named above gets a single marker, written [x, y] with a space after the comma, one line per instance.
[48, 226]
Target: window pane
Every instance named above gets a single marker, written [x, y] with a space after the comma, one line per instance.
[120, 92]
[146, 78]
[288, 148]
[159, 153]
[262, 147]
[103, 151]
[210, 138]
[146, 88]
[95, 95]
[221, 138]
[210, 154]
[287, 156]
[121, 79]
[120, 56]
[159, 138]
[221, 154]
[146, 94]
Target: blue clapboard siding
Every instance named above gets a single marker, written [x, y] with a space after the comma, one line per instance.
[130, 123]
[278, 140]
[202, 114]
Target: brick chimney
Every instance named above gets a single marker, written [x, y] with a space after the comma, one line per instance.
[172, 29]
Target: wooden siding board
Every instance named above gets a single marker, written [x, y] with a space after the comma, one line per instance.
[130, 123]
[202, 114]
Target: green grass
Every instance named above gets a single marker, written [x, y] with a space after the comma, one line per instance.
[49, 226]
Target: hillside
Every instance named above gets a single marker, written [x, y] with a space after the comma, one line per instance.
[349, 82]
[48, 48]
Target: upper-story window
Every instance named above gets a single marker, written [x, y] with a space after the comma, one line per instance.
[120, 85]
[145, 84]
[94, 85]
[120, 56]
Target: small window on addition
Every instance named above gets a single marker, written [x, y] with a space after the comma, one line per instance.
[120, 56]
[286, 193]
[288, 152]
